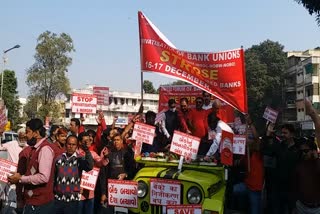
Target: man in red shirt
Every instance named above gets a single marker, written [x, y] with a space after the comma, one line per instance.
[184, 116]
[199, 119]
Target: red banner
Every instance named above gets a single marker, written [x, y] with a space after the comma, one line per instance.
[176, 92]
[221, 74]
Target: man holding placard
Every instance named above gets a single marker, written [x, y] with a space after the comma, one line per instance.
[215, 132]
[38, 178]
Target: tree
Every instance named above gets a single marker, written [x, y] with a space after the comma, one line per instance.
[265, 66]
[10, 97]
[148, 87]
[46, 77]
[32, 106]
[313, 7]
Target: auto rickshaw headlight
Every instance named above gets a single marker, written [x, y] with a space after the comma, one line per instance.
[194, 195]
[142, 189]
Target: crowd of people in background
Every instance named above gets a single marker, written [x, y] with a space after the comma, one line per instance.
[279, 173]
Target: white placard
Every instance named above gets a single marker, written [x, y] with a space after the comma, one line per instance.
[239, 144]
[270, 114]
[5, 168]
[143, 132]
[185, 145]
[164, 192]
[89, 179]
[242, 129]
[123, 193]
[185, 209]
[84, 103]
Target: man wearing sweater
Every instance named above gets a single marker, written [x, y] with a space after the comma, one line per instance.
[68, 171]
[37, 179]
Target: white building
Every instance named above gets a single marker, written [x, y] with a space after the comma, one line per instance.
[301, 81]
[121, 104]
[23, 102]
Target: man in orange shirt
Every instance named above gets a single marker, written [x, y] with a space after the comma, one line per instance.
[254, 178]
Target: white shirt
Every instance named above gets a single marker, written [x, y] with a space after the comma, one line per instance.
[207, 107]
[216, 141]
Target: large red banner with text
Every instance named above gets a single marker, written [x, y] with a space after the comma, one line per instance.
[221, 74]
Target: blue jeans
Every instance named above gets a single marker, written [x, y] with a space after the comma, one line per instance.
[86, 206]
[255, 197]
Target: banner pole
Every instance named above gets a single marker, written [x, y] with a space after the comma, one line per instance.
[141, 87]
[141, 58]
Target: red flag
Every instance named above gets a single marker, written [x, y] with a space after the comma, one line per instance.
[221, 74]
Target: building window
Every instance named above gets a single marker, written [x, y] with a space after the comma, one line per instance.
[115, 101]
[315, 88]
[134, 102]
[309, 90]
[67, 113]
[127, 100]
[110, 100]
[122, 101]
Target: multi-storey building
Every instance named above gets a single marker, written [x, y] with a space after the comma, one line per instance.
[301, 81]
[121, 104]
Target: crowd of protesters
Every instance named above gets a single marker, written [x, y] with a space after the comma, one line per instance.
[278, 174]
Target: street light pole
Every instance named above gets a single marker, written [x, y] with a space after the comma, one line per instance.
[4, 65]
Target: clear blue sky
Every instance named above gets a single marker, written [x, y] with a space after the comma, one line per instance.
[105, 33]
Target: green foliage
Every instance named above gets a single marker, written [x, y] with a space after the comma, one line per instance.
[265, 66]
[10, 97]
[148, 87]
[47, 76]
[31, 107]
[313, 7]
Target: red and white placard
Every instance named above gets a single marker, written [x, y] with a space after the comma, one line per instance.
[84, 103]
[3, 114]
[270, 114]
[137, 149]
[185, 145]
[89, 179]
[5, 168]
[239, 144]
[226, 148]
[123, 193]
[102, 94]
[143, 132]
[164, 192]
[184, 209]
